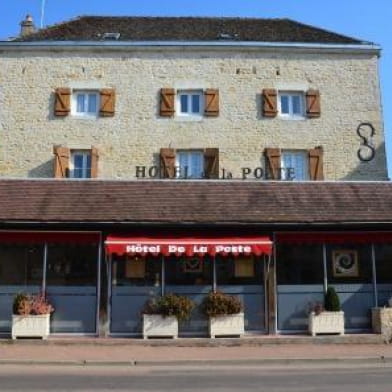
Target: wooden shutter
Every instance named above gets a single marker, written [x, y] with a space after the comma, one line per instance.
[270, 103]
[168, 162]
[211, 99]
[167, 102]
[62, 102]
[316, 171]
[313, 109]
[272, 162]
[108, 102]
[61, 161]
[94, 162]
[211, 163]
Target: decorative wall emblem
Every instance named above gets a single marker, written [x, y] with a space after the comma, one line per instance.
[366, 152]
[345, 263]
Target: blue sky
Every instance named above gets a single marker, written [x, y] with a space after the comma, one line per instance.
[369, 20]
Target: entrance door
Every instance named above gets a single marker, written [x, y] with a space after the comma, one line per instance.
[243, 276]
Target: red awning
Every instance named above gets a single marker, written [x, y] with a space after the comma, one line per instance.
[40, 237]
[188, 246]
[334, 237]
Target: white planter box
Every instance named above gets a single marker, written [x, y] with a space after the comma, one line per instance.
[30, 326]
[326, 322]
[232, 324]
[382, 320]
[156, 325]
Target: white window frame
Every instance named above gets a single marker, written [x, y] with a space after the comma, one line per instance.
[74, 103]
[179, 173]
[86, 171]
[304, 154]
[189, 113]
[291, 115]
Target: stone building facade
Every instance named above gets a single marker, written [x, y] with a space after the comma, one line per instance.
[344, 74]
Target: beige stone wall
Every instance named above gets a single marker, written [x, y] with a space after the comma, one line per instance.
[348, 85]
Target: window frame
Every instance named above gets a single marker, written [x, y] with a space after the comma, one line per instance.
[85, 93]
[86, 171]
[189, 93]
[178, 166]
[284, 173]
[291, 115]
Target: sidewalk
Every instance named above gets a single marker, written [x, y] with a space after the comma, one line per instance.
[139, 352]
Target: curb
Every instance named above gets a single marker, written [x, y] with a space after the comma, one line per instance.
[202, 362]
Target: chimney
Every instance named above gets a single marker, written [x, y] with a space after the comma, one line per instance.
[27, 26]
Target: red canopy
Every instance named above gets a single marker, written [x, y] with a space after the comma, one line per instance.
[334, 237]
[188, 246]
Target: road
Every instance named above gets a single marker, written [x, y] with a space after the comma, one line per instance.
[197, 378]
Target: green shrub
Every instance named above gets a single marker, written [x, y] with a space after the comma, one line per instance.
[331, 300]
[219, 304]
[170, 305]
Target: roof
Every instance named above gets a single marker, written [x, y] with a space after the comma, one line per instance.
[202, 202]
[93, 28]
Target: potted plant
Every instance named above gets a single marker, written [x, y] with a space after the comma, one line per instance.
[328, 318]
[225, 313]
[31, 316]
[162, 314]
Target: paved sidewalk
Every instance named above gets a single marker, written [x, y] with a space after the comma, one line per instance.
[125, 352]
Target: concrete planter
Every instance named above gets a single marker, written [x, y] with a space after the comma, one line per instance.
[226, 325]
[382, 320]
[326, 322]
[30, 326]
[155, 325]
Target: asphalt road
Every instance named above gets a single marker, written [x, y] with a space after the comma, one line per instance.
[201, 378]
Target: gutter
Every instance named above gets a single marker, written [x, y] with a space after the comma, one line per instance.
[118, 45]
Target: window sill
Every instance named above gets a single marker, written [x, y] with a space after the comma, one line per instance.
[84, 116]
[291, 118]
[194, 118]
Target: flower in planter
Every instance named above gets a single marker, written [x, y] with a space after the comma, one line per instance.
[170, 305]
[218, 304]
[35, 304]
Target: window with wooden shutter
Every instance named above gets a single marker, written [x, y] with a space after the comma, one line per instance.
[94, 162]
[270, 103]
[272, 162]
[211, 98]
[167, 102]
[313, 109]
[62, 102]
[211, 162]
[107, 102]
[61, 161]
[168, 162]
[316, 170]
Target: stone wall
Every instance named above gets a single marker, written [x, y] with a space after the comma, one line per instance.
[348, 84]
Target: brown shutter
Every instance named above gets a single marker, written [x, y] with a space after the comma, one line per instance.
[211, 98]
[211, 163]
[316, 172]
[168, 162]
[273, 164]
[108, 103]
[61, 161]
[313, 109]
[270, 103]
[62, 102]
[94, 162]
[167, 102]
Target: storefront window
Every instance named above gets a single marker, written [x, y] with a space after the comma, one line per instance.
[239, 270]
[299, 264]
[349, 263]
[21, 264]
[188, 270]
[136, 271]
[72, 265]
[384, 263]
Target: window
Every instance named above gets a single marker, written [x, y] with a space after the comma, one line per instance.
[80, 164]
[85, 103]
[189, 103]
[295, 165]
[291, 105]
[190, 164]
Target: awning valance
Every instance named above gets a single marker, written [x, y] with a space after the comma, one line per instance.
[188, 246]
[334, 237]
[40, 237]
